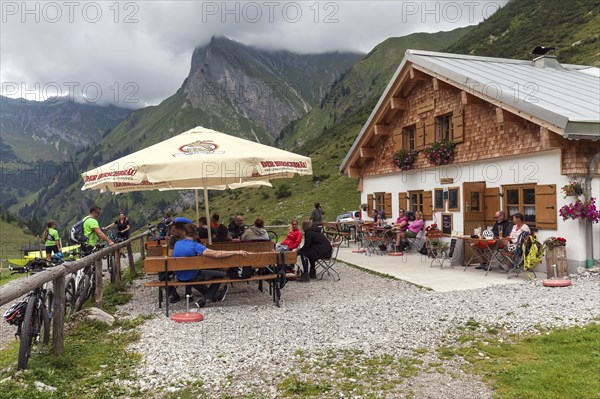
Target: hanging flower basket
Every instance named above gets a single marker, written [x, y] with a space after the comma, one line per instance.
[440, 152]
[573, 189]
[581, 210]
[404, 159]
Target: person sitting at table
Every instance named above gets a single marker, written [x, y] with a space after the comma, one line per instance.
[413, 229]
[256, 232]
[501, 225]
[236, 227]
[400, 226]
[222, 234]
[186, 246]
[214, 220]
[478, 247]
[519, 226]
[316, 246]
[174, 224]
[292, 240]
[203, 228]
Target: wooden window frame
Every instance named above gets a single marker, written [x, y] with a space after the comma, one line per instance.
[409, 144]
[520, 204]
[439, 122]
[457, 189]
[419, 204]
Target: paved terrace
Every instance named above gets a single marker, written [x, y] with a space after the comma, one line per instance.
[415, 268]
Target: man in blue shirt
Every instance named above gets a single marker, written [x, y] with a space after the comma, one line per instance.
[186, 246]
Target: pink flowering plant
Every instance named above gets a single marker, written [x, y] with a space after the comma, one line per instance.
[440, 152]
[404, 159]
[574, 188]
[582, 210]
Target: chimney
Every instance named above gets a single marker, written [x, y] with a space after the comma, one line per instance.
[547, 61]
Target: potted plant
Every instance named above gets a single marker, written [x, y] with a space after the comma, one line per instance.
[556, 254]
[404, 159]
[364, 207]
[573, 189]
[440, 152]
[581, 210]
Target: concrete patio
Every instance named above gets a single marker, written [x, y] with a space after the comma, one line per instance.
[415, 268]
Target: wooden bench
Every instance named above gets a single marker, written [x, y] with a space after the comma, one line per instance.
[250, 246]
[272, 262]
[334, 230]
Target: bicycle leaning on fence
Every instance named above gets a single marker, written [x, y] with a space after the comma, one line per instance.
[31, 315]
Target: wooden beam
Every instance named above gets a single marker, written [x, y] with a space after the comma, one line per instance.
[399, 103]
[354, 172]
[366, 152]
[415, 74]
[551, 139]
[499, 115]
[435, 83]
[464, 98]
[382, 130]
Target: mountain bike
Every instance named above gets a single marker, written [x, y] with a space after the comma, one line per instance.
[84, 280]
[32, 315]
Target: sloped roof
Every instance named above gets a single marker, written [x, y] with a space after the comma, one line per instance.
[566, 96]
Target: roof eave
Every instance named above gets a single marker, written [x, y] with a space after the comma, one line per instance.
[580, 130]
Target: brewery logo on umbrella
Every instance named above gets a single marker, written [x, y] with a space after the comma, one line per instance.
[199, 147]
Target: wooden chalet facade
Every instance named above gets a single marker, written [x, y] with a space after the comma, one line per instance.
[521, 129]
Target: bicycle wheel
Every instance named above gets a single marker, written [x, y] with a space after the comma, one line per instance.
[82, 292]
[27, 331]
[49, 301]
[44, 325]
[70, 296]
[110, 260]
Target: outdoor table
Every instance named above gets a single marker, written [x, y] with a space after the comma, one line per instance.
[490, 248]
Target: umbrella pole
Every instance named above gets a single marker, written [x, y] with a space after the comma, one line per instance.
[207, 215]
[197, 212]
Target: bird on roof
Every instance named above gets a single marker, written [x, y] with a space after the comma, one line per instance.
[542, 50]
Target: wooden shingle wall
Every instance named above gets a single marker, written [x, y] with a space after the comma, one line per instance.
[489, 133]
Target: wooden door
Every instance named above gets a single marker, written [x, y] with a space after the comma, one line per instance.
[473, 210]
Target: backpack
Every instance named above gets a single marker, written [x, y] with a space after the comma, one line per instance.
[77, 235]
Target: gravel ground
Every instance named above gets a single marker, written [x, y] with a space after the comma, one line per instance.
[245, 344]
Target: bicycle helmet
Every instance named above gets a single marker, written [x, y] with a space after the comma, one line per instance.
[16, 313]
[58, 257]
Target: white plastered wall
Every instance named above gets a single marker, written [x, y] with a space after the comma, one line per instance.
[540, 168]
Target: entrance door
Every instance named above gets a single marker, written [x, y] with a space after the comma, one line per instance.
[473, 210]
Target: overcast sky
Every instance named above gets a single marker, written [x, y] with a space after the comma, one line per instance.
[137, 53]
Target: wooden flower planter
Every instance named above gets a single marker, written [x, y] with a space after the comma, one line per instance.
[556, 256]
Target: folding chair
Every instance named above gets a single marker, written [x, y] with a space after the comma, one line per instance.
[415, 243]
[516, 254]
[326, 265]
[438, 251]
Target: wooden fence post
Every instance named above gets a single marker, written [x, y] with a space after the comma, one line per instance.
[117, 271]
[99, 287]
[58, 315]
[130, 256]
[142, 249]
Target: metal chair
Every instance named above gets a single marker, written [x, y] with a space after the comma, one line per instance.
[326, 265]
[438, 251]
[415, 243]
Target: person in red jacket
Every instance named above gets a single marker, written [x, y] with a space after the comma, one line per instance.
[292, 240]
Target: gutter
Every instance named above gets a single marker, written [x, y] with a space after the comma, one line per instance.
[589, 243]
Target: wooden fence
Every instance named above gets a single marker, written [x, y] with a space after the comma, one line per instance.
[20, 287]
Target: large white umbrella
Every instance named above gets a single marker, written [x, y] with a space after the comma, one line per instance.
[199, 158]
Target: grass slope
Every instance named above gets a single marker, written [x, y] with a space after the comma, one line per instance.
[363, 84]
[513, 31]
[12, 238]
